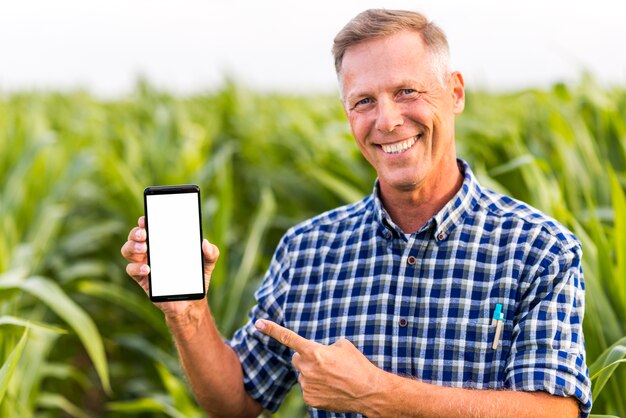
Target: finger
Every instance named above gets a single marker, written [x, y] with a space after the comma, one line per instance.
[137, 270]
[134, 251]
[285, 336]
[137, 234]
[141, 222]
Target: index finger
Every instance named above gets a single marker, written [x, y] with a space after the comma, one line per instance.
[285, 336]
[138, 233]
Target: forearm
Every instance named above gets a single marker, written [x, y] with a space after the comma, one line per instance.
[403, 397]
[212, 368]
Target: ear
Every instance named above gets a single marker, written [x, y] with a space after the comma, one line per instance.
[458, 92]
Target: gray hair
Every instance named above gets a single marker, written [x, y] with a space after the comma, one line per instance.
[378, 23]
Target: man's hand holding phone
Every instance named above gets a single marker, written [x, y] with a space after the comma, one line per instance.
[135, 251]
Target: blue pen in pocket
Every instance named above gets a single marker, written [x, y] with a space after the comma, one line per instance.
[498, 318]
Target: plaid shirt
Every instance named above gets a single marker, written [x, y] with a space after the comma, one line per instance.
[421, 304]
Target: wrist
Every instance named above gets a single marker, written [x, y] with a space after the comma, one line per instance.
[185, 323]
[383, 395]
[393, 393]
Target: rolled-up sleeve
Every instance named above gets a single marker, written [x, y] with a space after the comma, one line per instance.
[548, 348]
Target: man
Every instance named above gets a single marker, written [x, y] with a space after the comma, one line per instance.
[384, 307]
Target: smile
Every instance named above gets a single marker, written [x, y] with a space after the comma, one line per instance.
[400, 147]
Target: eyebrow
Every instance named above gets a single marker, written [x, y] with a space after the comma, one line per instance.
[406, 83]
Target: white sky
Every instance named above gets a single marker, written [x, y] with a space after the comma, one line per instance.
[190, 46]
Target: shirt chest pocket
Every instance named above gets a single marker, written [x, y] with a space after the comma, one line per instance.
[459, 352]
[483, 336]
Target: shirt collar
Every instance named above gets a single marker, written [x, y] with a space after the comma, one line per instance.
[446, 219]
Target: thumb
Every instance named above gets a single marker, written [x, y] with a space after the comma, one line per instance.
[211, 254]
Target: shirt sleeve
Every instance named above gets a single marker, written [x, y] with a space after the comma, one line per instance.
[548, 348]
[266, 364]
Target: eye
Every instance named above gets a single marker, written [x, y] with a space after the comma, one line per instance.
[407, 91]
[365, 101]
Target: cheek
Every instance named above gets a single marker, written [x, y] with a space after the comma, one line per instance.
[358, 126]
[423, 112]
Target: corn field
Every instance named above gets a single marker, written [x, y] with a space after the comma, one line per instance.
[79, 339]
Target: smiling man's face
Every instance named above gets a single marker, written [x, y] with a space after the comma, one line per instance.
[400, 113]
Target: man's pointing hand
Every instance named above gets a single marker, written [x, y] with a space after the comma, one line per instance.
[335, 378]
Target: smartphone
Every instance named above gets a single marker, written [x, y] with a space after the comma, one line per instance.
[174, 238]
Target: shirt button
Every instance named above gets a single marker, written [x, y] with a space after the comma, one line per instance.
[411, 260]
[441, 236]
[387, 234]
[403, 322]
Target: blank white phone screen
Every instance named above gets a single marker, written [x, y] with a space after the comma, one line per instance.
[175, 244]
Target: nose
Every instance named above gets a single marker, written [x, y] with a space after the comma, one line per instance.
[389, 116]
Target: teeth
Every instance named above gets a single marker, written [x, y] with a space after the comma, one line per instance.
[399, 146]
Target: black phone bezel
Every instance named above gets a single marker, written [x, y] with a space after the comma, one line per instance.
[174, 189]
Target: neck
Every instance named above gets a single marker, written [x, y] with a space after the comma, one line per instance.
[411, 209]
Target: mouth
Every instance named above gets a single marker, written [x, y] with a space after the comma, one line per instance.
[400, 147]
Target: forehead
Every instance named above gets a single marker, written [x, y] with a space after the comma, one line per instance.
[386, 60]
[400, 40]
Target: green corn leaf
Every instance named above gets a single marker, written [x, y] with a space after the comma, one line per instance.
[140, 305]
[55, 401]
[260, 223]
[619, 208]
[56, 299]
[512, 165]
[346, 192]
[145, 405]
[178, 392]
[13, 320]
[65, 372]
[147, 349]
[8, 367]
[137, 406]
[603, 368]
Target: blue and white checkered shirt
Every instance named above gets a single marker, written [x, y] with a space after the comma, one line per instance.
[421, 304]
